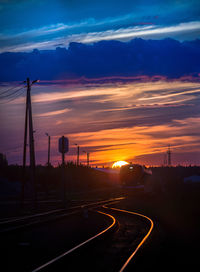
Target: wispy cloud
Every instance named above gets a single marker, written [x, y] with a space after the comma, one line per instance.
[52, 113]
[112, 121]
[171, 95]
[79, 26]
[132, 32]
[143, 31]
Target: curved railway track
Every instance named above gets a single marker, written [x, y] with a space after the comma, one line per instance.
[14, 224]
[107, 240]
[89, 246]
[142, 241]
[109, 228]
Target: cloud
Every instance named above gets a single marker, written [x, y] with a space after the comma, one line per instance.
[163, 58]
[51, 113]
[109, 120]
[20, 42]
[63, 28]
[151, 31]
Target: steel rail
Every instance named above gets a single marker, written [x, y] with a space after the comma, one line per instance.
[34, 223]
[41, 217]
[143, 240]
[80, 245]
[18, 219]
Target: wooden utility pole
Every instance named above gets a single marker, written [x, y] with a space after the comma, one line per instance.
[25, 133]
[24, 152]
[29, 122]
[78, 154]
[88, 159]
[31, 138]
[31, 142]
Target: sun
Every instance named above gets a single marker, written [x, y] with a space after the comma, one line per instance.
[119, 164]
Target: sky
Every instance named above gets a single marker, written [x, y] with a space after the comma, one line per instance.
[120, 78]
[25, 25]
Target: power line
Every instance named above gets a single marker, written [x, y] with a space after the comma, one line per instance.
[11, 94]
[13, 98]
[8, 90]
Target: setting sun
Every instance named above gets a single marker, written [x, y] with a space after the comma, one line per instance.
[119, 164]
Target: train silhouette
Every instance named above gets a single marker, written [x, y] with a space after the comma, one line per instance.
[134, 175]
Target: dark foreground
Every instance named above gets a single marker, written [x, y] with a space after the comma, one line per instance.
[173, 244]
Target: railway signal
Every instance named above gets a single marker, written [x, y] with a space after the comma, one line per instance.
[63, 147]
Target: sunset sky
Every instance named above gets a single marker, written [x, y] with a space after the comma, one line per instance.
[119, 78]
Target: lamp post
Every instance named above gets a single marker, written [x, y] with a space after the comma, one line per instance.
[78, 148]
[88, 158]
[49, 146]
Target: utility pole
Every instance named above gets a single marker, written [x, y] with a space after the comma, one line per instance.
[24, 152]
[31, 138]
[25, 133]
[31, 143]
[78, 150]
[169, 156]
[88, 158]
[29, 123]
[49, 147]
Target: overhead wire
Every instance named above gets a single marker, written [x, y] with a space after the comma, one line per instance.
[8, 90]
[13, 98]
[11, 94]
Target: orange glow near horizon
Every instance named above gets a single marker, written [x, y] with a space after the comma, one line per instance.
[114, 122]
[119, 164]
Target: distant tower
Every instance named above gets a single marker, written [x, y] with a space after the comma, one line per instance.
[169, 156]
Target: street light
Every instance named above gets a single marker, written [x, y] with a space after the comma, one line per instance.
[35, 81]
[88, 157]
[77, 162]
[49, 140]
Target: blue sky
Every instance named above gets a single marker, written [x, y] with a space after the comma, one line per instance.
[25, 25]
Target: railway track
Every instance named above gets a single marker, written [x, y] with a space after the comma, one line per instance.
[94, 247]
[14, 224]
[130, 258]
[48, 266]
[107, 240]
